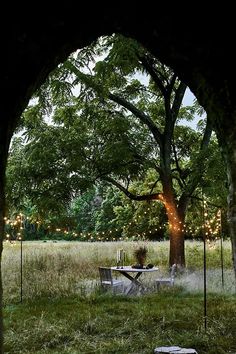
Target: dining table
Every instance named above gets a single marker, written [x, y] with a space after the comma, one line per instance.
[134, 274]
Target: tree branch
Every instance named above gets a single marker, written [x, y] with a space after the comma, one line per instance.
[139, 114]
[179, 181]
[88, 80]
[154, 196]
[178, 100]
[154, 184]
[149, 68]
[171, 84]
[198, 166]
[207, 134]
[178, 169]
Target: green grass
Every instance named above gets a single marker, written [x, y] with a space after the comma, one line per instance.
[106, 324]
[63, 310]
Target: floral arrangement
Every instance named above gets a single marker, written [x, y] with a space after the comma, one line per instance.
[140, 254]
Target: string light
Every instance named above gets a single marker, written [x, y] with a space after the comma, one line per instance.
[212, 227]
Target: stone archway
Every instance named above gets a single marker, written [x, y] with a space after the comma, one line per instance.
[195, 45]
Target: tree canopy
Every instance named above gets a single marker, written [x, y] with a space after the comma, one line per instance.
[111, 113]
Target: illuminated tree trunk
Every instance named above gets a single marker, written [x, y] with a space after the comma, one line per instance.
[177, 253]
[176, 233]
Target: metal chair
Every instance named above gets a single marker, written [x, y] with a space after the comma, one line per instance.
[107, 281]
[167, 281]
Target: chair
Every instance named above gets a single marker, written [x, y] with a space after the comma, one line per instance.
[107, 281]
[167, 281]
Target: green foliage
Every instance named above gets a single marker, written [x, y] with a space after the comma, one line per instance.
[89, 123]
[85, 209]
[106, 217]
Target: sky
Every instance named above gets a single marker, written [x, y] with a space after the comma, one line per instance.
[188, 98]
[188, 101]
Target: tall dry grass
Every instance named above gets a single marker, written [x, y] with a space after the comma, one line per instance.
[56, 269]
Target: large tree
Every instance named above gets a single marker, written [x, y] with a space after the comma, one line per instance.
[116, 127]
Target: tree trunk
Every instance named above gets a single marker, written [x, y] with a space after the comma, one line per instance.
[176, 227]
[177, 254]
[230, 158]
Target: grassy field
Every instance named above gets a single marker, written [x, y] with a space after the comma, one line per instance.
[64, 311]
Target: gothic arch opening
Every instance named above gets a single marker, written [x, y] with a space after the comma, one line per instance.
[194, 45]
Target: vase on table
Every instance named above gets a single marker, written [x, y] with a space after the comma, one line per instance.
[140, 254]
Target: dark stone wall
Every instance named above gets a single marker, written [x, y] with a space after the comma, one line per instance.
[194, 43]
